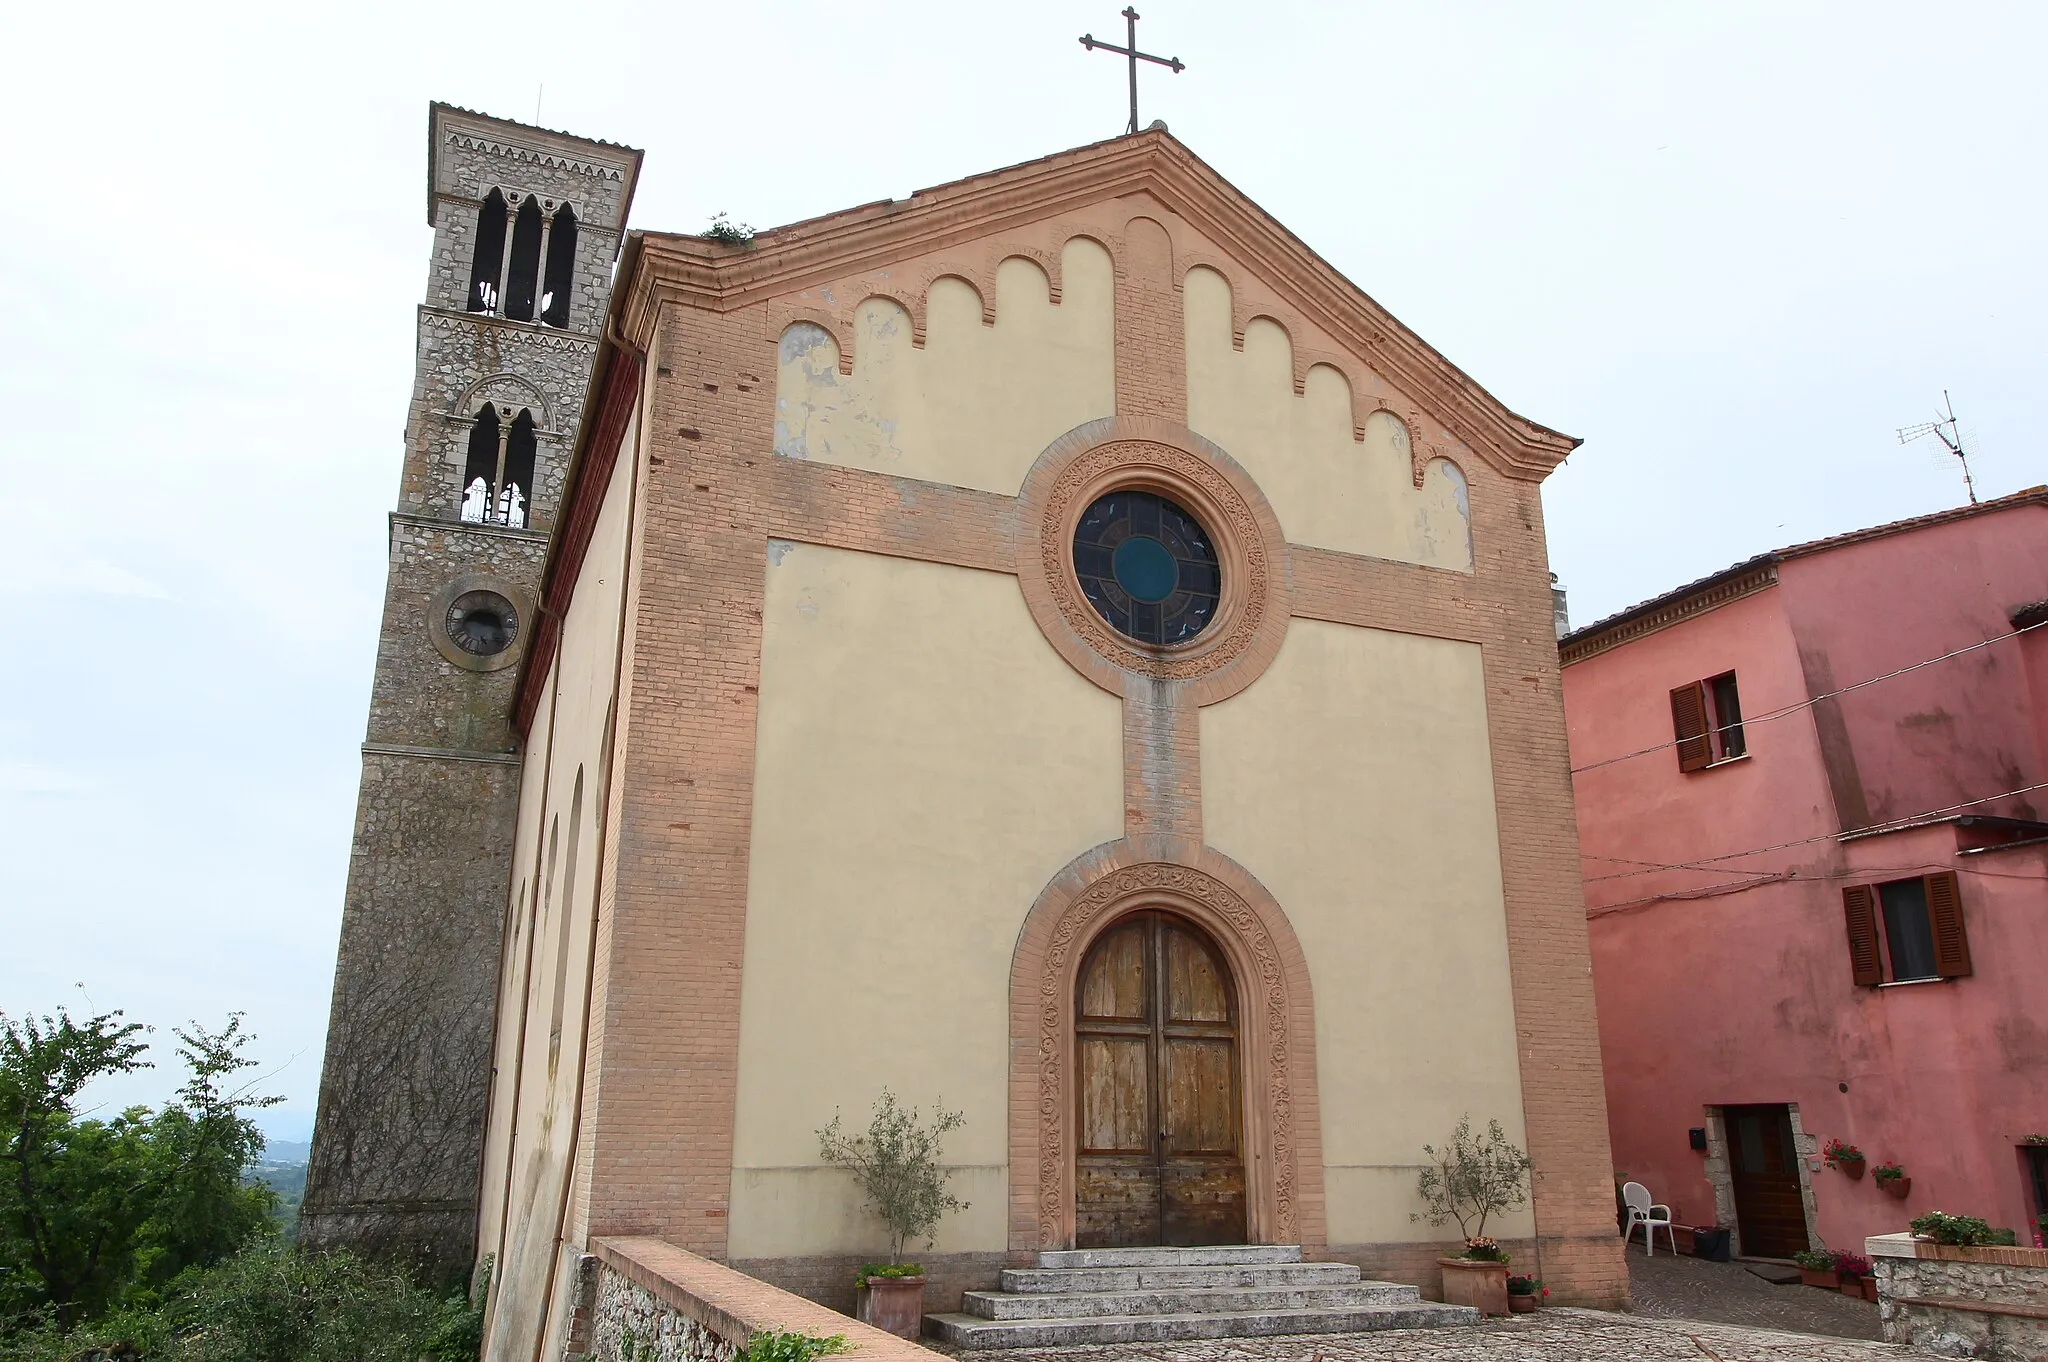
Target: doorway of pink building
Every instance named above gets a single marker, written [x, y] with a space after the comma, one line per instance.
[1763, 1165]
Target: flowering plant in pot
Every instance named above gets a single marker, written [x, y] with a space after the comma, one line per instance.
[1943, 1228]
[1467, 1181]
[1525, 1293]
[1854, 1270]
[1843, 1158]
[1817, 1268]
[1892, 1179]
[896, 1166]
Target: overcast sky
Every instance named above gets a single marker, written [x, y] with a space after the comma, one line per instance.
[1730, 245]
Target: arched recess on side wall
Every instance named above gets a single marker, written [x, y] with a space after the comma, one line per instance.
[1283, 1150]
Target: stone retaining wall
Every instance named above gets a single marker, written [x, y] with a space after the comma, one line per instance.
[1989, 1303]
[645, 1300]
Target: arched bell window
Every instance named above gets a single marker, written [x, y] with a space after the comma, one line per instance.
[489, 261]
[522, 273]
[497, 474]
[560, 277]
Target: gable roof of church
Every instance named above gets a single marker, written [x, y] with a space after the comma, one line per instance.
[655, 267]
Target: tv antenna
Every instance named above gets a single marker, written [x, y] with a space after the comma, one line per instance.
[1950, 434]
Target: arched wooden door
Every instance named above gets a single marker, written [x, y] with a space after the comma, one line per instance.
[1159, 1159]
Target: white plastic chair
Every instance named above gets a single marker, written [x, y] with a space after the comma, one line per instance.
[1643, 1211]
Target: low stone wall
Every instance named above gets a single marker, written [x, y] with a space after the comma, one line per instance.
[649, 1301]
[1989, 1303]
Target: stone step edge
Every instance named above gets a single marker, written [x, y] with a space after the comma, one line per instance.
[1066, 1280]
[1205, 1300]
[1211, 1255]
[972, 1332]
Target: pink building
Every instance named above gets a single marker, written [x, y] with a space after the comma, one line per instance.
[1816, 870]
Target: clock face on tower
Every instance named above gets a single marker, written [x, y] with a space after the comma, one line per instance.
[482, 623]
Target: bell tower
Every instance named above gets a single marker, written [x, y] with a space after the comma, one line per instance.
[527, 224]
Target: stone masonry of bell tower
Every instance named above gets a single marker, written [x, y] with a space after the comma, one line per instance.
[527, 225]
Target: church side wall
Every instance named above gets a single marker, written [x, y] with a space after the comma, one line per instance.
[1354, 780]
[515, 965]
[977, 401]
[924, 764]
[567, 837]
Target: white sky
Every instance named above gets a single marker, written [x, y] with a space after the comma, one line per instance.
[1732, 245]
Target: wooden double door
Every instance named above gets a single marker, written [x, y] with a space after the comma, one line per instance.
[1159, 1158]
[1763, 1165]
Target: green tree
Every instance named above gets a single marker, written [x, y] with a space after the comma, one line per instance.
[95, 1213]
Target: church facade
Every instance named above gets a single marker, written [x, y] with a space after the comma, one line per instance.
[1048, 647]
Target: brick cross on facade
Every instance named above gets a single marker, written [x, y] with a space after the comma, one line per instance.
[1174, 64]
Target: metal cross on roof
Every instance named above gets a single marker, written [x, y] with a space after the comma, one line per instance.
[1091, 42]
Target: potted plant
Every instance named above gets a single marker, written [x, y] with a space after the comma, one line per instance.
[1853, 1269]
[896, 1166]
[1525, 1293]
[1468, 1180]
[1942, 1228]
[1891, 1179]
[1843, 1158]
[1817, 1268]
[1710, 1242]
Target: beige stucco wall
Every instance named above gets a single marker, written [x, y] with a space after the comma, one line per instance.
[1354, 780]
[925, 764]
[567, 828]
[978, 403]
[1328, 489]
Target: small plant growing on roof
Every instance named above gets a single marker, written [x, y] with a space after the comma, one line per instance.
[896, 1165]
[772, 1345]
[1471, 1179]
[724, 229]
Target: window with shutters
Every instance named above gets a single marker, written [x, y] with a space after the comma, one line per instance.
[1906, 930]
[1706, 721]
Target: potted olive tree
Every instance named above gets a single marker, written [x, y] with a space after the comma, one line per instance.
[1469, 1180]
[896, 1166]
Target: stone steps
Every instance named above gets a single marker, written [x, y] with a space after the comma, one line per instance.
[1068, 1280]
[1085, 1296]
[1000, 1305]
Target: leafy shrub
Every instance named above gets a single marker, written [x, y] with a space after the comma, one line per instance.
[1944, 1228]
[2004, 1238]
[897, 1167]
[1471, 1178]
[724, 229]
[776, 1346]
[888, 1270]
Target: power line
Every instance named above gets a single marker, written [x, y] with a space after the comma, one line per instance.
[1891, 825]
[1810, 703]
[1715, 891]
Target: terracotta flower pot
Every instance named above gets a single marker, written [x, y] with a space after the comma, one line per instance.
[1819, 1276]
[1522, 1305]
[1869, 1289]
[1897, 1187]
[1852, 1168]
[1852, 1286]
[1477, 1283]
[895, 1305]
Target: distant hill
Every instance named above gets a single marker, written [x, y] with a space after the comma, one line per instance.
[283, 1166]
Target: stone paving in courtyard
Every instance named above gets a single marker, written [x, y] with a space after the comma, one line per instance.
[1547, 1336]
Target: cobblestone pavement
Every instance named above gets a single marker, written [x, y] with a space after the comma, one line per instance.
[1672, 1287]
[1547, 1336]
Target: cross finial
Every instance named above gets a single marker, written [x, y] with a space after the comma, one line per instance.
[1174, 64]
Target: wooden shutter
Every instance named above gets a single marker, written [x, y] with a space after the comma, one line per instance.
[1689, 725]
[1945, 916]
[1859, 906]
